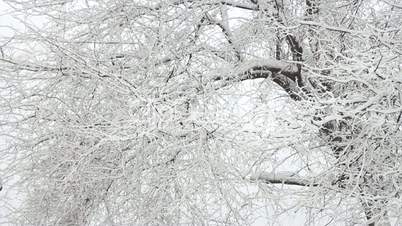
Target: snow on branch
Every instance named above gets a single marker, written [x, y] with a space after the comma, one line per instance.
[236, 5]
[258, 67]
[330, 28]
[217, 2]
[287, 178]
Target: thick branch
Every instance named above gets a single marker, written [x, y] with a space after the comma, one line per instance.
[284, 178]
[262, 69]
[286, 75]
[282, 73]
[295, 46]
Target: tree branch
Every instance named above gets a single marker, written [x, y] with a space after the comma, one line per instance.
[285, 74]
[221, 2]
[228, 35]
[238, 5]
[287, 178]
[330, 28]
[263, 68]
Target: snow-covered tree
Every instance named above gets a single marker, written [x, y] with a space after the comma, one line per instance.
[203, 112]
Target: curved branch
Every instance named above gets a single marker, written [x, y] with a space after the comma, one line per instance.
[286, 75]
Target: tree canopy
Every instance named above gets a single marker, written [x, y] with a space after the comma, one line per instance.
[202, 112]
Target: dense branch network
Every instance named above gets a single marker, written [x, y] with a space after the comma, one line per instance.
[179, 65]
